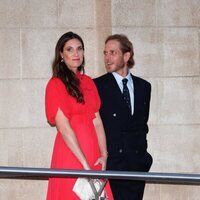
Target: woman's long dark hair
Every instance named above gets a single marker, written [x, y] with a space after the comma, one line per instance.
[60, 69]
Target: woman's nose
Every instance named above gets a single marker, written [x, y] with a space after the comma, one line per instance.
[75, 52]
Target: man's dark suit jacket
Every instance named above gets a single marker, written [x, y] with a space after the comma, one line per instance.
[125, 133]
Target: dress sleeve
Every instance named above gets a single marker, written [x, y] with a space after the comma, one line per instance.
[55, 97]
[96, 96]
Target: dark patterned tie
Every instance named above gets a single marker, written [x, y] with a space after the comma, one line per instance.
[126, 93]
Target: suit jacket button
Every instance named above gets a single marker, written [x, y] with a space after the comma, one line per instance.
[120, 151]
[114, 114]
[136, 151]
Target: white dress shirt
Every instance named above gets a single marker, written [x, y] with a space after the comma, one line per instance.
[130, 86]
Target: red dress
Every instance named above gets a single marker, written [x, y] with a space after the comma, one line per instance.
[81, 118]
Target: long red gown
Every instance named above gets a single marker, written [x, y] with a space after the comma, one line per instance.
[81, 118]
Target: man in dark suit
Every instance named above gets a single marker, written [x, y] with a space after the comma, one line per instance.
[125, 101]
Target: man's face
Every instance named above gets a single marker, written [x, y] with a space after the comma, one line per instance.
[114, 59]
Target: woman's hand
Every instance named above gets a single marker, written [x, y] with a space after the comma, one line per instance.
[102, 161]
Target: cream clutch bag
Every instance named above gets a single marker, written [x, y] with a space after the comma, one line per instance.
[89, 189]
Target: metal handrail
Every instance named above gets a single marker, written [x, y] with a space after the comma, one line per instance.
[45, 173]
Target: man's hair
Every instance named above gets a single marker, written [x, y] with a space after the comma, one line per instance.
[125, 46]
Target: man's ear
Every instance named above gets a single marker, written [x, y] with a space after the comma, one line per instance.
[127, 56]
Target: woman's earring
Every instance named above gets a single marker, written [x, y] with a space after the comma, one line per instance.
[62, 60]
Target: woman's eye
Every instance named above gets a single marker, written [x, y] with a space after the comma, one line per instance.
[69, 49]
[80, 48]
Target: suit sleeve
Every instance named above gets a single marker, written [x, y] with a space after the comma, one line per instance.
[148, 99]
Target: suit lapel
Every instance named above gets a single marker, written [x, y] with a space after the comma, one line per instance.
[115, 88]
[136, 92]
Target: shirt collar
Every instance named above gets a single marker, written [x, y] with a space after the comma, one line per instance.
[119, 77]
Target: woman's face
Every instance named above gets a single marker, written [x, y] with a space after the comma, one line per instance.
[73, 54]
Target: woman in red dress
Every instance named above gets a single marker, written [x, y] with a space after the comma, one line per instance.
[72, 105]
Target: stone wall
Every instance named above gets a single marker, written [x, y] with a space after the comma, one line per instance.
[166, 39]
